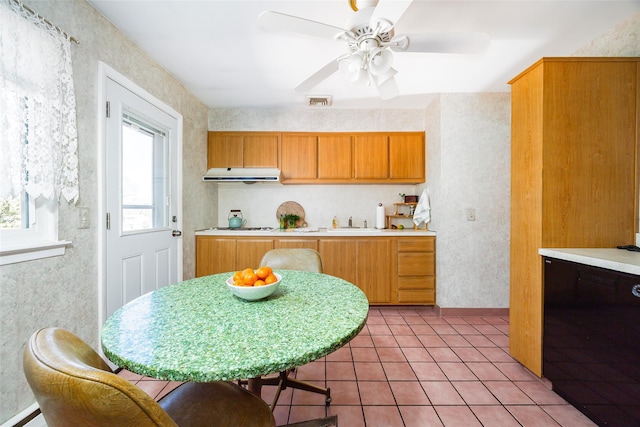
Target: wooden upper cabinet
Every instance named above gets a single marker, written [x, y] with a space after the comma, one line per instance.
[260, 151]
[334, 157]
[242, 149]
[224, 150]
[370, 156]
[298, 157]
[326, 157]
[406, 157]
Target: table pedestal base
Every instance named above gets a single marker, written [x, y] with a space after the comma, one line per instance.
[254, 385]
[282, 381]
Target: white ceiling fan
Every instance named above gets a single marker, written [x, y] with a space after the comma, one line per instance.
[371, 39]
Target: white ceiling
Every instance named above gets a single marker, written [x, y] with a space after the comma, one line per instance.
[218, 52]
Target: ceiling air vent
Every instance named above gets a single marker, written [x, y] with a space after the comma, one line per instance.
[318, 101]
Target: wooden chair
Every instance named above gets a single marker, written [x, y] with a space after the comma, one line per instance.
[74, 386]
[293, 259]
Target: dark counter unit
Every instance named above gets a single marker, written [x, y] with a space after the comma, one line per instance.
[591, 344]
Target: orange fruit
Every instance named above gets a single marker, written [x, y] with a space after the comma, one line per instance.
[238, 282]
[271, 278]
[249, 278]
[263, 272]
[259, 282]
[247, 270]
[237, 276]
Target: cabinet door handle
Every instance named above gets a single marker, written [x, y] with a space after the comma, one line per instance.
[635, 290]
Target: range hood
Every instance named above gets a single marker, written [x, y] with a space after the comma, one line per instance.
[242, 175]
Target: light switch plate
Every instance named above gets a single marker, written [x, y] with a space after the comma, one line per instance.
[471, 214]
[83, 217]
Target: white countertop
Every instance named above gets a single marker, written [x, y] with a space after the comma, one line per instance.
[312, 232]
[612, 259]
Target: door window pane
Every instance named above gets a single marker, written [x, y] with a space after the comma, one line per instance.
[144, 177]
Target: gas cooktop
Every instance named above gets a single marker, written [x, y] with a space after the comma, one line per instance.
[243, 229]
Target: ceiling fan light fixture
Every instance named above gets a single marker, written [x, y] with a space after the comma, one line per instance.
[382, 78]
[380, 61]
[399, 43]
[353, 67]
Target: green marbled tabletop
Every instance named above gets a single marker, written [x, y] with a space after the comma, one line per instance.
[197, 330]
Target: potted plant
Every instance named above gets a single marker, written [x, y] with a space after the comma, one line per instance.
[291, 219]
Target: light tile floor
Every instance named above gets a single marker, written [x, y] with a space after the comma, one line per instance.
[411, 368]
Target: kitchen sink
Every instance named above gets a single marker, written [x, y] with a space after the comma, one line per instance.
[353, 230]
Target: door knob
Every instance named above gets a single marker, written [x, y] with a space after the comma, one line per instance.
[176, 233]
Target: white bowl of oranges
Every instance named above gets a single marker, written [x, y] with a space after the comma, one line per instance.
[253, 285]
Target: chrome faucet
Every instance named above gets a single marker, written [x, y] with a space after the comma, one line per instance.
[350, 222]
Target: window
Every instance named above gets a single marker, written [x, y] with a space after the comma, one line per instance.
[38, 136]
[144, 176]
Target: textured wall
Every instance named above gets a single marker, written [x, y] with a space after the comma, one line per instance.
[623, 40]
[469, 168]
[63, 291]
[315, 119]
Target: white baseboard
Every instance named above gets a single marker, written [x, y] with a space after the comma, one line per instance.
[20, 417]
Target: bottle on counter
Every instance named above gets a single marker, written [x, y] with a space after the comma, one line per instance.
[334, 223]
[282, 222]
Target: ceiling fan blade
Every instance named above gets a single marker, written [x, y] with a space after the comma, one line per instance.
[391, 10]
[388, 89]
[442, 43]
[318, 77]
[280, 22]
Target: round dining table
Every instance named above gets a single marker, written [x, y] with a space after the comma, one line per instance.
[197, 330]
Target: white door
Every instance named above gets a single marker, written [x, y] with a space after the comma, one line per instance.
[141, 197]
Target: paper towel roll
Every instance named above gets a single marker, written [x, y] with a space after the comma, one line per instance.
[380, 217]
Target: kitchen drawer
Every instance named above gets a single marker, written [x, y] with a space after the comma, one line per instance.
[416, 245]
[416, 282]
[296, 243]
[419, 296]
[416, 263]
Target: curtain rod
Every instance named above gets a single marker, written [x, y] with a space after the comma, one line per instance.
[37, 15]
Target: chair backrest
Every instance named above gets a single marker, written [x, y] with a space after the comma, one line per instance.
[293, 259]
[74, 386]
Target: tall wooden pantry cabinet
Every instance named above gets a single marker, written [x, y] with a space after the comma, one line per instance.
[573, 175]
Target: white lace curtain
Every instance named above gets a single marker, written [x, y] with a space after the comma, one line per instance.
[38, 135]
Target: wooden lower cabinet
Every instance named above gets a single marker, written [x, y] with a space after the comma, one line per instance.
[296, 243]
[416, 270]
[389, 270]
[249, 252]
[373, 269]
[215, 255]
[339, 258]
[223, 254]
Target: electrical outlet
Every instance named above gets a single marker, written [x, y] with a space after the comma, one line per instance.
[83, 217]
[471, 214]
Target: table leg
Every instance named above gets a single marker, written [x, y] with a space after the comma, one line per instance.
[255, 386]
